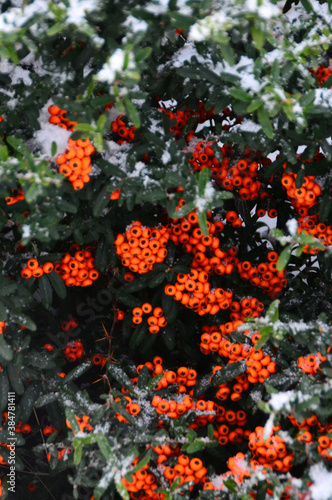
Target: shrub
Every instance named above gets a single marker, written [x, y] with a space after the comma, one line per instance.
[165, 296]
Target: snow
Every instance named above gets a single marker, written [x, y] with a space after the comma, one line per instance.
[323, 97]
[202, 202]
[247, 126]
[135, 25]
[282, 400]
[26, 231]
[50, 133]
[77, 10]
[270, 57]
[185, 54]
[16, 17]
[166, 157]
[263, 9]
[321, 489]
[115, 64]
[292, 226]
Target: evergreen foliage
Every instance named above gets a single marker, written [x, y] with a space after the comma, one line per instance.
[165, 243]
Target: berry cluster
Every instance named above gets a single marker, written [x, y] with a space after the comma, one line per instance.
[35, 270]
[322, 74]
[187, 470]
[271, 452]
[75, 162]
[74, 350]
[142, 481]
[77, 270]
[58, 118]
[265, 275]
[140, 247]
[310, 364]
[83, 423]
[125, 133]
[156, 320]
[10, 200]
[194, 291]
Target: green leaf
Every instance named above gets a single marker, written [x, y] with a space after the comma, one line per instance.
[24, 320]
[196, 446]
[254, 105]
[5, 349]
[78, 453]
[264, 120]
[101, 201]
[203, 178]
[138, 336]
[120, 376]
[273, 311]
[58, 284]
[65, 205]
[258, 36]
[143, 54]
[15, 379]
[123, 492]
[265, 335]
[240, 94]
[77, 372]
[3, 152]
[229, 372]
[284, 258]
[3, 312]
[84, 127]
[133, 112]
[104, 446]
[168, 336]
[45, 399]
[4, 389]
[54, 148]
[55, 29]
[70, 415]
[45, 290]
[202, 221]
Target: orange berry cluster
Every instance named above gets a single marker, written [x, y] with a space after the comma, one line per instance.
[74, 350]
[83, 423]
[156, 320]
[322, 74]
[68, 325]
[10, 200]
[35, 270]
[182, 117]
[99, 360]
[187, 233]
[271, 453]
[248, 307]
[75, 162]
[260, 366]
[194, 291]
[126, 134]
[212, 340]
[242, 175]
[310, 364]
[231, 418]
[61, 453]
[140, 247]
[306, 434]
[2, 326]
[77, 270]
[188, 470]
[165, 451]
[265, 275]
[320, 231]
[304, 197]
[132, 408]
[58, 118]
[142, 481]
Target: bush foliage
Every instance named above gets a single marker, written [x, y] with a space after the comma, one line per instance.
[165, 211]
